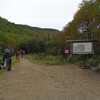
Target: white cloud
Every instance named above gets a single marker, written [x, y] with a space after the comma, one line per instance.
[39, 13]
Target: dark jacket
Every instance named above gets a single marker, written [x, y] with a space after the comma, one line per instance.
[6, 55]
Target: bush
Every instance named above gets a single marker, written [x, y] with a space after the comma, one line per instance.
[60, 57]
[81, 62]
[1, 59]
[68, 59]
[41, 56]
[50, 57]
[90, 62]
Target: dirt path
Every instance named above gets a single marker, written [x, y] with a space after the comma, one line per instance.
[29, 81]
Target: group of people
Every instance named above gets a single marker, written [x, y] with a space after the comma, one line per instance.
[7, 56]
[19, 53]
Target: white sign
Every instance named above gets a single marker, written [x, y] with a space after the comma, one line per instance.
[82, 48]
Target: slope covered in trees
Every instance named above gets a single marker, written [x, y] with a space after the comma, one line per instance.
[13, 36]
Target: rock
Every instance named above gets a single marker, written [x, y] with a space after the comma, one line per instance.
[77, 81]
[71, 83]
[66, 82]
[94, 68]
[60, 81]
[56, 86]
[52, 76]
[86, 81]
[79, 92]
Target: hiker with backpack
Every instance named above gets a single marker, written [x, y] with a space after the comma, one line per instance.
[7, 56]
[17, 54]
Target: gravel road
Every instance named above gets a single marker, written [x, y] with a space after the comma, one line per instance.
[29, 81]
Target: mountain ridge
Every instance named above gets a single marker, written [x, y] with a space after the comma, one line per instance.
[9, 27]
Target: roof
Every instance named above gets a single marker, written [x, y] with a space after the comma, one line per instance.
[71, 41]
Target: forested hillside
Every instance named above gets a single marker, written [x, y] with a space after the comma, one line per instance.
[35, 30]
[13, 36]
[85, 25]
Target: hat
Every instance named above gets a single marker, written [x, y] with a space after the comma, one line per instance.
[6, 49]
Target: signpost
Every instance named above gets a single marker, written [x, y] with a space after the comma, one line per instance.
[82, 47]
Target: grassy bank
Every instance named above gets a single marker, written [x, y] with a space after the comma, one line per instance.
[46, 59]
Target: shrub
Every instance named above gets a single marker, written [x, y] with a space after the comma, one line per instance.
[50, 57]
[60, 57]
[90, 62]
[68, 59]
[1, 59]
[81, 62]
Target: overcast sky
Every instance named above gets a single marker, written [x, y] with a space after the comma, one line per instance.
[39, 13]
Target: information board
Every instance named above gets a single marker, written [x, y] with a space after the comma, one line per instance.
[82, 48]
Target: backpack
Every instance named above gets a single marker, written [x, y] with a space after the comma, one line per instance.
[17, 52]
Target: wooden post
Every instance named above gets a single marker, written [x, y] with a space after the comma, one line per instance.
[71, 51]
[93, 50]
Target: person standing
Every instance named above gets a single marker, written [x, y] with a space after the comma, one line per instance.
[18, 55]
[21, 52]
[7, 56]
[15, 53]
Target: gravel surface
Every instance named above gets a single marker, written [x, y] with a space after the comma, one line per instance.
[29, 81]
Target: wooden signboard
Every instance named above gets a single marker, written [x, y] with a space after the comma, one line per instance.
[82, 48]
